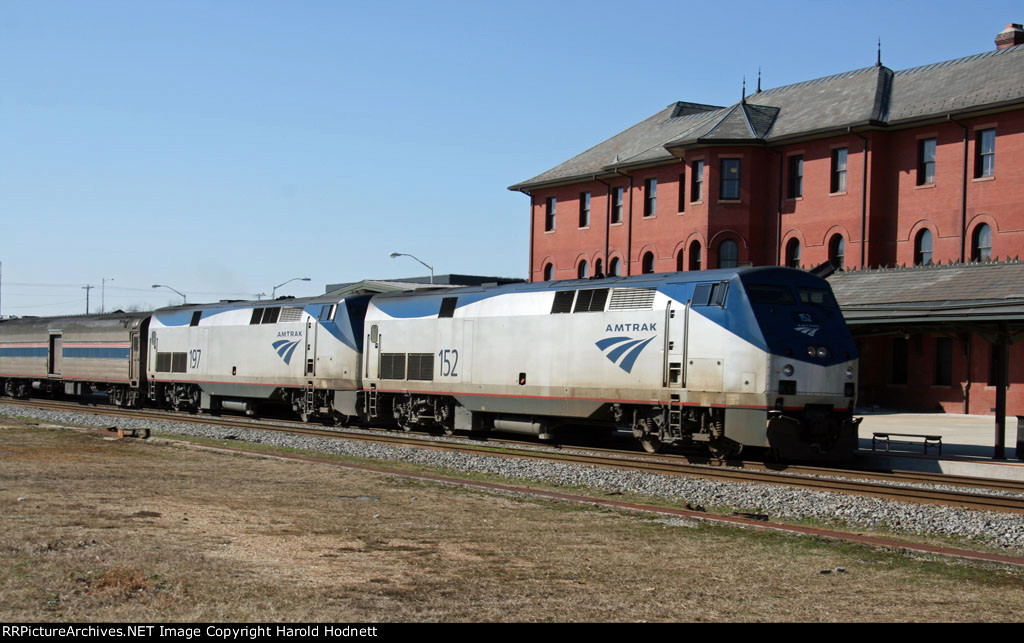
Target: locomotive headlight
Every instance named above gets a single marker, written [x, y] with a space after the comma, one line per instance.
[822, 352]
[787, 370]
[849, 372]
[810, 351]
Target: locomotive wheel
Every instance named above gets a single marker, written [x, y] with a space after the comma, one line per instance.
[651, 443]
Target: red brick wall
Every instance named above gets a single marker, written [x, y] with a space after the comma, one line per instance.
[921, 393]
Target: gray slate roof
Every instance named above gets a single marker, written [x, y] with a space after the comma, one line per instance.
[873, 95]
[971, 292]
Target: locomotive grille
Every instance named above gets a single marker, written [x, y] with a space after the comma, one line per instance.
[632, 299]
[290, 315]
[392, 366]
[421, 366]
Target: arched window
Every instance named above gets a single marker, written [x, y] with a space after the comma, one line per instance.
[981, 243]
[615, 267]
[728, 254]
[548, 271]
[598, 265]
[581, 270]
[648, 263]
[837, 251]
[680, 261]
[695, 255]
[793, 253]
[923, 248]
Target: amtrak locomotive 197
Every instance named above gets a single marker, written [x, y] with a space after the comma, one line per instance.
[727, 360]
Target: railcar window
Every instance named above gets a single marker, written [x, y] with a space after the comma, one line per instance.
[257, 316]
[447, 309]
[765, 294]
[270, 315]
[591, 301]
[563, 301]
[817, 297]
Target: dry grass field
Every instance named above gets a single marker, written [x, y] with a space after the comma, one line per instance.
[99, 529]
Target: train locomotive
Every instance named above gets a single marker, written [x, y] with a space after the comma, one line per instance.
[728, 360]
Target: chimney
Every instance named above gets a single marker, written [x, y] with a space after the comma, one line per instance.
[1012, 36]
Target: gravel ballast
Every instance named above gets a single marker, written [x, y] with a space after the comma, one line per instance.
[1003, 530]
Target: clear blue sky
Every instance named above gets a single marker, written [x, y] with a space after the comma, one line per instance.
[222, 147]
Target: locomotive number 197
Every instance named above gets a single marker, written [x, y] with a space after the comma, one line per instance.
[449, 360]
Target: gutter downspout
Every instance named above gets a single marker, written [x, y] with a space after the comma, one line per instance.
[529, 269]
[629, 231]
[863, 204]
[778, 213]
[963, 196]
[607, 221]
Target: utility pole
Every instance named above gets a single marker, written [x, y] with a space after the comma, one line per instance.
[87, 289]
[103, 295]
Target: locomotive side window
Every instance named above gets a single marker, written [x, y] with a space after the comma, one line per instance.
[710, 294]
[563, 301]
[257, 316]
[196, 316]
[701, 294]
[718, 293]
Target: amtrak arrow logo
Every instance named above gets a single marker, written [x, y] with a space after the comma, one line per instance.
[285, 349]
[625, 347]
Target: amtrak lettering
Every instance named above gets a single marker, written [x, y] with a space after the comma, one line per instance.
[289, 333]
[634, 328]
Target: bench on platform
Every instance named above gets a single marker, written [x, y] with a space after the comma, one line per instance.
[887, 439]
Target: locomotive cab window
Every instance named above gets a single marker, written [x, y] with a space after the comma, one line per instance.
[196, 316]
[768, 294]
[710, 294]
[817, 297]
[257, 316]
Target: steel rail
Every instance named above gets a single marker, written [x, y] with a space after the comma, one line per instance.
[821, 480]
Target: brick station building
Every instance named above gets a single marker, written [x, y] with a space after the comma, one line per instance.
[864, 169]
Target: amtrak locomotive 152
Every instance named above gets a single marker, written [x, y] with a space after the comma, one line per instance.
[727, 360]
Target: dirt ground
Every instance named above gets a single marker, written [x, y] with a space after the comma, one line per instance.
[100, 529]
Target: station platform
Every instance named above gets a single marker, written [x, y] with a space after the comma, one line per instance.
[968, 444]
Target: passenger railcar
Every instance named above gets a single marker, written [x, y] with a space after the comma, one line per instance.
[754, 357]
[237, 355]
[75, 355]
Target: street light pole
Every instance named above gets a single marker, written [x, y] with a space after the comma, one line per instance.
[273, 293]
[184, 300]
[395, 255]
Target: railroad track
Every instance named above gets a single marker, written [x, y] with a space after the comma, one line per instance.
[864, 483]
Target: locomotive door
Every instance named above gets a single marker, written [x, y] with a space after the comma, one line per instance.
[133, 359]
[311, 332]
[676, 318]
[56, 354]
